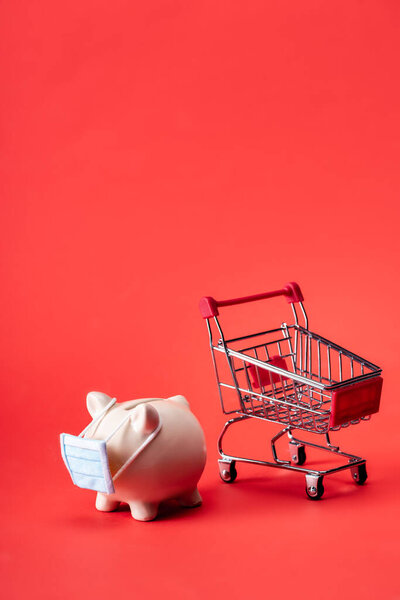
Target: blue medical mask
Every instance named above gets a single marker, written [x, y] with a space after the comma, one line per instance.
[87, 459]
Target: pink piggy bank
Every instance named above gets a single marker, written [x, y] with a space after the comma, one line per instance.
[153, 449]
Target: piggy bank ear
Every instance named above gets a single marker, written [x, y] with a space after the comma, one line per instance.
[96, 401]
[179, 400]
[145, 419]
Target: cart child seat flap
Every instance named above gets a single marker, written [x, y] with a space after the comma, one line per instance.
[355, 401]
[263, 377]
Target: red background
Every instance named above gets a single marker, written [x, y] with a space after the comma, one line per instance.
[154, 152]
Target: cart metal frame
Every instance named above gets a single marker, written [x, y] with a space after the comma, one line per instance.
[300, 396]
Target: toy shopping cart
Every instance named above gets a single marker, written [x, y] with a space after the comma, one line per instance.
[292, 376]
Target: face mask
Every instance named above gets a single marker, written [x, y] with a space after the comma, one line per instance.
[87, 459]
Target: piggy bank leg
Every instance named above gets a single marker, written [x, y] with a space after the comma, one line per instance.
[105, 503]
[190, 499]
[143, 511]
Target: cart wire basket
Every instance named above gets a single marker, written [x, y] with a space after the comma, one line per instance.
[292, 376]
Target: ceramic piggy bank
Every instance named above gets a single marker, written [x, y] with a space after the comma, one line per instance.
[140, 452]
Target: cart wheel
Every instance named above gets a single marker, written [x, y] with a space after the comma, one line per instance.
[359, 474]
[227, 471]
[315, 489]
[297, 453]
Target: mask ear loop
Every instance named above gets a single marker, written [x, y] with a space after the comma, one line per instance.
[136, 453]
[99, 416]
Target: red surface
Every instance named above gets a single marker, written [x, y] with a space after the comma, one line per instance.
[153, 153]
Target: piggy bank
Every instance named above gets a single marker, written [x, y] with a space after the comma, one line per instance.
[141, 452]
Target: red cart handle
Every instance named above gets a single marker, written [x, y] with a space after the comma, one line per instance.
[209, 306]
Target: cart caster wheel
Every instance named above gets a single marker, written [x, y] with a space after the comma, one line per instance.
[359, 474]
[297, 453]
[314, 487]
[227, 471]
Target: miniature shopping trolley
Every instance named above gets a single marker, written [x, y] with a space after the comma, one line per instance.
[292, 376]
